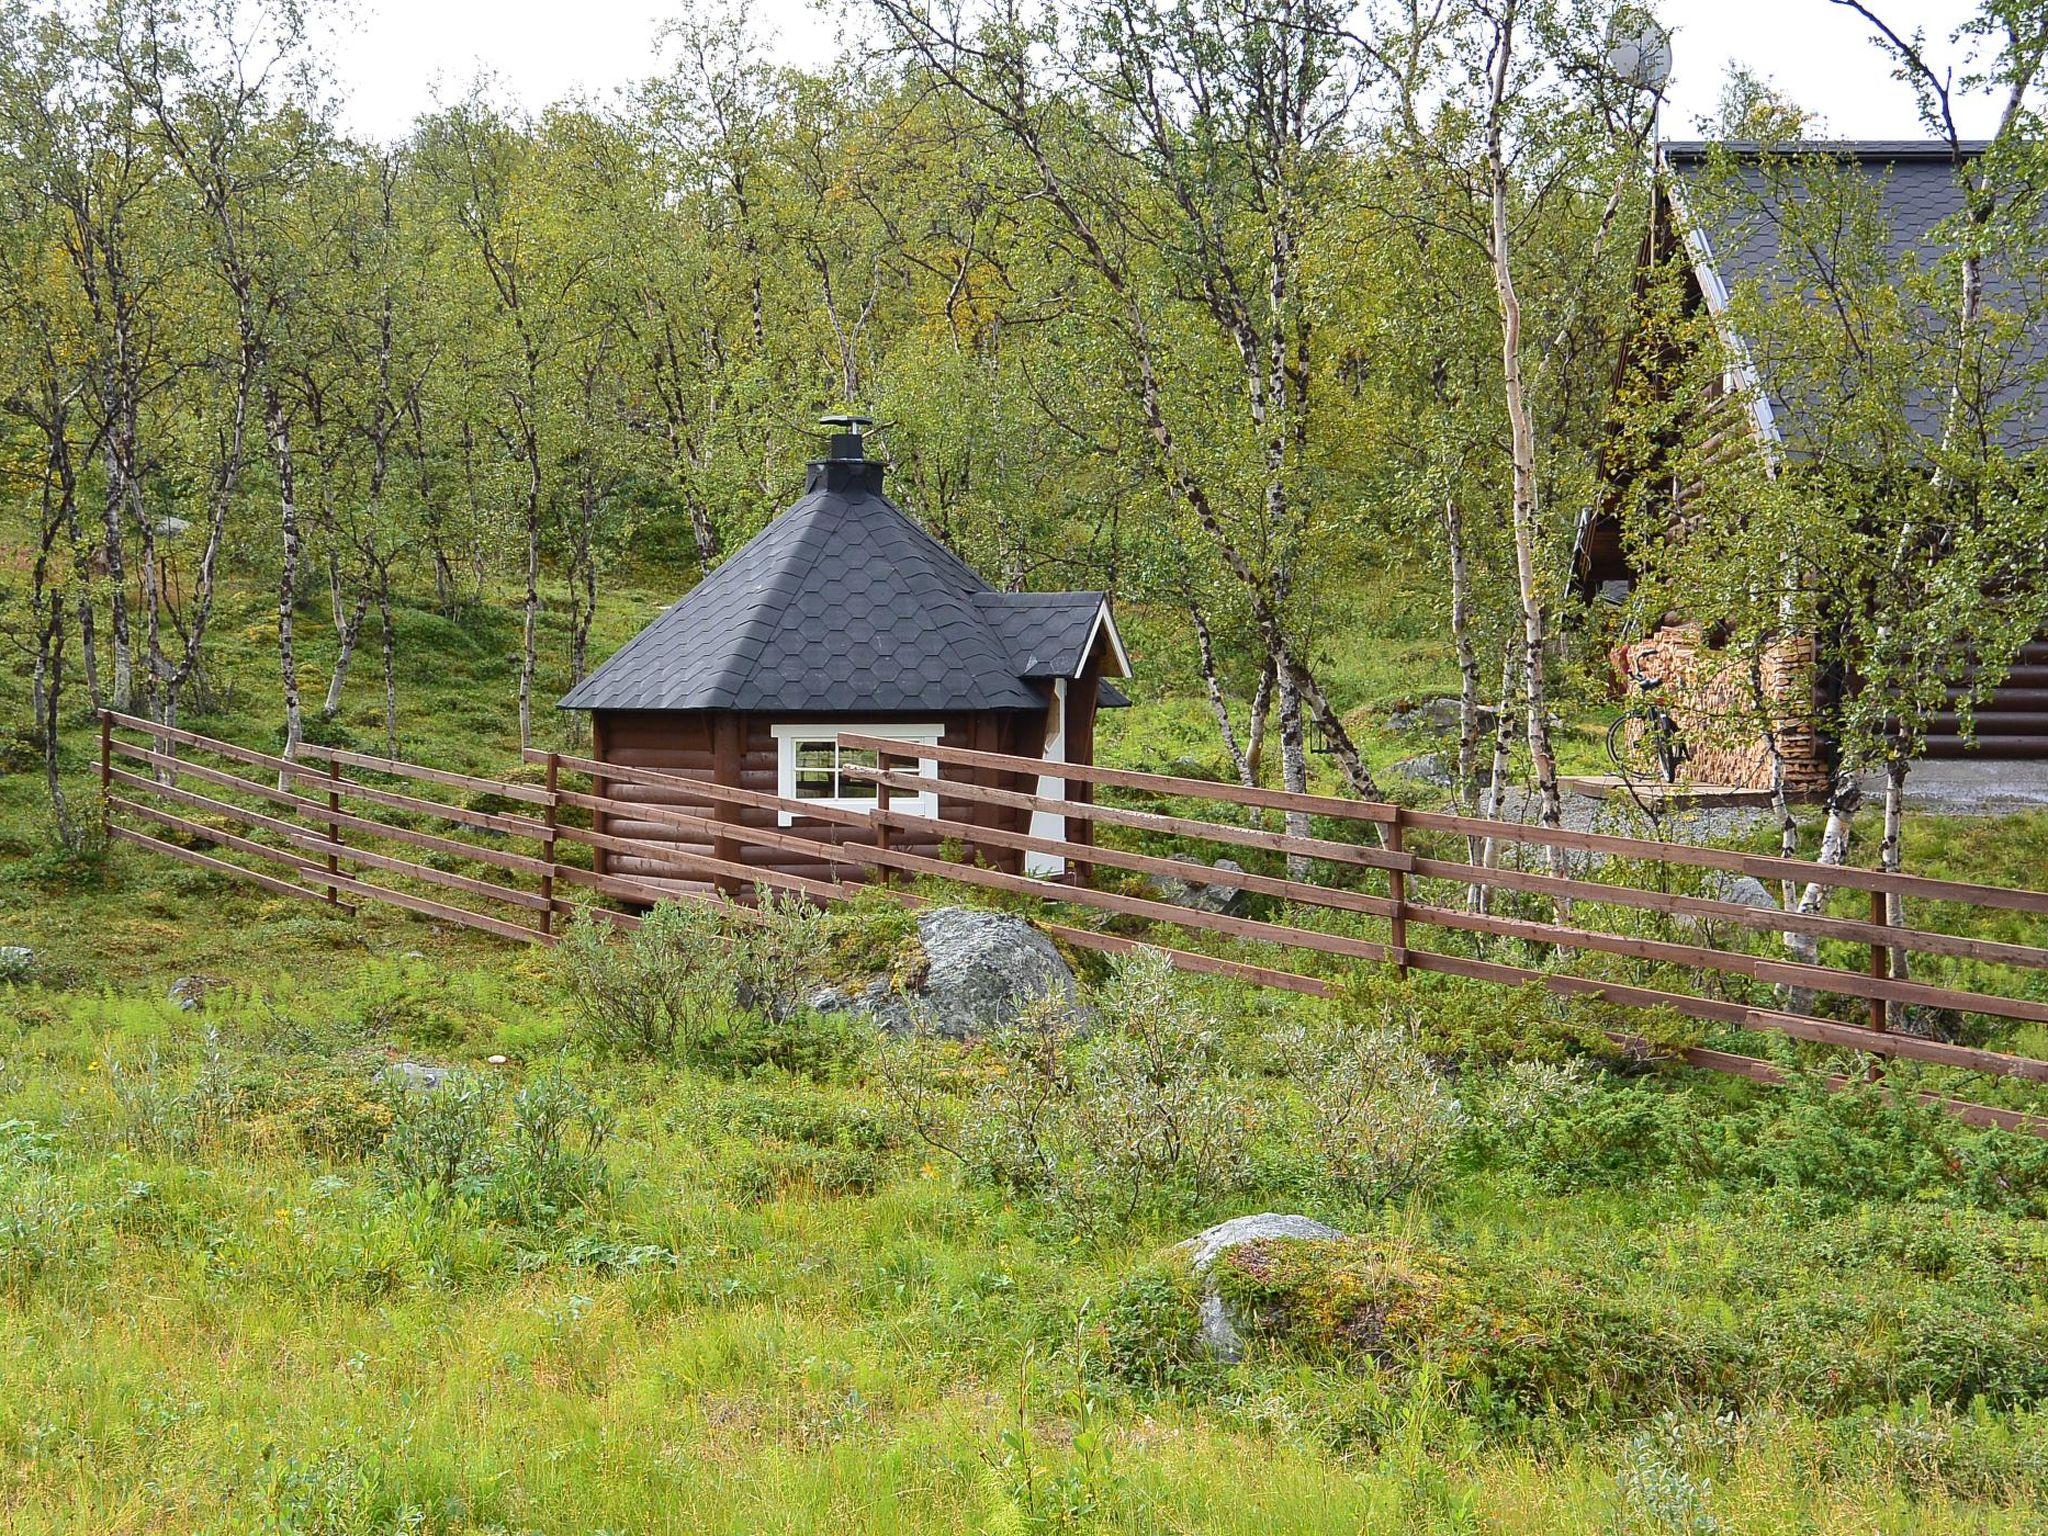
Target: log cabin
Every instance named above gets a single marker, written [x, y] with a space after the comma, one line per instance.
[844, 615]
[1915, 193]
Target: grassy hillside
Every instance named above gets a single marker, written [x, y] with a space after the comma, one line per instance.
[251, 1282]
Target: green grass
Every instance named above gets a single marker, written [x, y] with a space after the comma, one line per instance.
[772, 1317]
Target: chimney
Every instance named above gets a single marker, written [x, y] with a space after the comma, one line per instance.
[846, 466]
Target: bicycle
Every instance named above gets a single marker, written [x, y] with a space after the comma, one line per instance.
[1644, 740]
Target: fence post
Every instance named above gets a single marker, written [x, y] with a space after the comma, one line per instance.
[333, 826]
[1397, 891]
[1880, 970]
[547, 843]
[106, 766]
[883, 873]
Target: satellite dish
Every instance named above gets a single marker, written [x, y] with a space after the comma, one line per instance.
[1639, 51]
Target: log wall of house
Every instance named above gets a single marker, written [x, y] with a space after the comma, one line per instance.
[731, 748]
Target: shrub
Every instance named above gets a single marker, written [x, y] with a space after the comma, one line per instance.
[1374, 1112]
[708, 985]
[554, 1159]
[1152, 1095]
[1137, 1103]
[652, 993]
[443, 1141]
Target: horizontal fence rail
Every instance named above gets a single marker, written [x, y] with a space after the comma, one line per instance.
[333, 826]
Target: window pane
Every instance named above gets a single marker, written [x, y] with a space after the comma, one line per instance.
[852, 788]
[813, 769]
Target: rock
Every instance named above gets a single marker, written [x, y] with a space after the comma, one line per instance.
[1743, 890]
[1437, 769]
[188, 994]
[418, 1075]
[17, 962]
[982, 969]
[1435, 715]
[1219, 1332]
[1201, 895]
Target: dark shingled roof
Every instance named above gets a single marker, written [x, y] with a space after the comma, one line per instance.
[1916, 190]
[844, 604]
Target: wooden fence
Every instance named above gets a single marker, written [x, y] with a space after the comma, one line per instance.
[501, 859]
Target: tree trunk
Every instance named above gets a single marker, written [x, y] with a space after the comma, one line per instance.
[350, 629]
[1293, 760]
[1219, 706]
[50, 663]
[1468, 660]
[1522, 440]
[288, 579]
[1261, 716]
[390, 649]
[530, 627]
[1479, 898]
[1356, 775]
[1891, 854]
[114, 554]
[1845, 794]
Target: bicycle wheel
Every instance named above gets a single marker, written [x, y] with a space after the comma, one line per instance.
[1632, 747]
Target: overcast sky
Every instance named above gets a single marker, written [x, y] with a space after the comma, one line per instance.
[401, 51]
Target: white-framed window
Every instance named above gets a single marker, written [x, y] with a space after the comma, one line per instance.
[809, 760]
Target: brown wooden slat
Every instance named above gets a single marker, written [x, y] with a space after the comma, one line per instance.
[1762, 866]
[428, 908]
[1096, 853]
[1195, 960]
[225, 749]
[349, 853]
[1861, 1037]
[313, 810]
[493, 821]
[1334, 806]
[1130, 906]
[1766, 920]
[199, 802]
[666, 853]
[688, 821]
[207, 862]
[211, 834]
[614, 773]
[1146, 821]
[565, 908]
[1819, 978]
[528, 793]
[207, 775]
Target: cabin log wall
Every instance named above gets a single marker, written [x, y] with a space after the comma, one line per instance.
[738, 749]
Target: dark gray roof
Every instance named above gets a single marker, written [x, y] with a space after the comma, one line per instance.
[1047, 632]
[843, 603]
[1916, 191]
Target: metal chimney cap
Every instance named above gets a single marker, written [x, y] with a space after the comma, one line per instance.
[846, 436]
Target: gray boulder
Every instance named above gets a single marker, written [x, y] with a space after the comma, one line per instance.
[1439, 770]
[1199, 894]
[982, 969]
[1436, 715]
[1219, 1329]
[17, 962]
[418, 1076]
[1743, 890]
